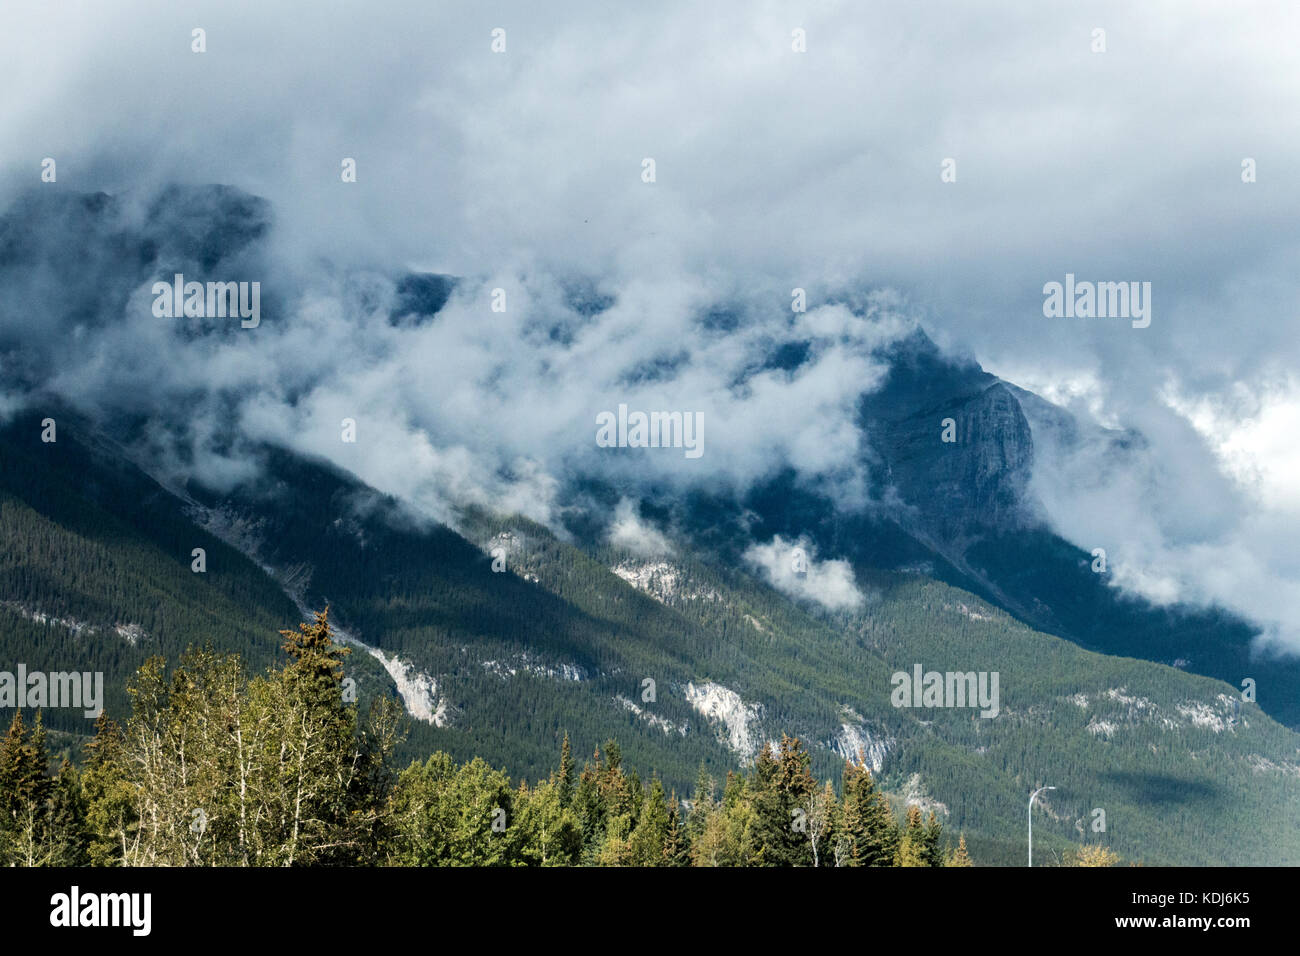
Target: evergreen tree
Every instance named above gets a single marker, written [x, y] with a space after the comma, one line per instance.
[676, 848]
[959, 857]
[615, 847]
[702, 803]
[69, 835]
[783, 787]
[315, 671]
[26, 791]
[868, 834]
[648, 844]
[110, 810]
[932, 841]
[449, 815]
[589, 802]
[912, 849]
[564, 780]
[546, 832]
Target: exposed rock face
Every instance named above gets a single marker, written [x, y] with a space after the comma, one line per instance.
[418, 690]
[1116, 710]
[654, 720]
[735, 721]
[956, 488]
[527, 664]
[658, 579]
[662, 581]
[131, 633]
[853, 739]
[916, 795]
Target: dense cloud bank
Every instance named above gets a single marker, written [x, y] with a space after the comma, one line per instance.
[775, 170]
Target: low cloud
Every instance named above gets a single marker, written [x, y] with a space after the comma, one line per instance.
[522, 171]
[630, 532]
[792, 568]
[1197, 504]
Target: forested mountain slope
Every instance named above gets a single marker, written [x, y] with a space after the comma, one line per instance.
[687, 657]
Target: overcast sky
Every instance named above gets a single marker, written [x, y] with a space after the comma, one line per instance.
[774, 169]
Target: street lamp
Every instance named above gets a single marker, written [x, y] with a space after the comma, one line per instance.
[1032, 796]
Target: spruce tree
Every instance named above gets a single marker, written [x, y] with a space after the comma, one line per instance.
[648, 844]
[544, 832]
[315, 670]
[26, 791]
[959, 857]
[589, 803]
[701, 804]
[676, 847]
[110, 809]
[911, 851]
[783, 787]
[932, 841]
[869, 835]
[68, 835]
[564, 779]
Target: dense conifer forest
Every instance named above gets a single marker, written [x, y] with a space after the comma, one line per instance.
[96, 575]
[213, 768]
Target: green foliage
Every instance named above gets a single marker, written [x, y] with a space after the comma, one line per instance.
[868, 834]
[449, 815]
[42, 816]
[959, 856]
[215, 768]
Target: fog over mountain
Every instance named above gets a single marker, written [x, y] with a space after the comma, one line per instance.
[775, 170]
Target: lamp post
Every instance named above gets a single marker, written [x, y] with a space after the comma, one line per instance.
[1032, 796]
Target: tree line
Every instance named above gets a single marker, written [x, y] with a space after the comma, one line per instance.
[215, 768]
